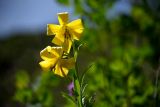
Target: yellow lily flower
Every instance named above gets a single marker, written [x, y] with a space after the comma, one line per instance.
[65, 32]
[53, 61]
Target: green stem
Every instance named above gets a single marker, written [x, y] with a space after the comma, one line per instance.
[77, 85]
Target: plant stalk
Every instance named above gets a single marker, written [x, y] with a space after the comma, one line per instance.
[77, 86]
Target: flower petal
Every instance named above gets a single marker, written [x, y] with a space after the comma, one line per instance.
[50, 53]
[63, 18]
[57, 51]
[57, 41]
[61, 71]
[46, 55]
[68, 63]
[67, 45]
[59, 37]
[52, 29]
[47, 65]
[75, 28]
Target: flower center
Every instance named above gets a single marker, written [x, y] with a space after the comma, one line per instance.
[67, 33]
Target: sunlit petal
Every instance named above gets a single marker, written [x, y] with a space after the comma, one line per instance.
[67, 45]
[63, 18]
[50, 52]
[53, 29]
[57, 51]
[59, 37]
[75, 28]
[46, 54]
[61, 71]
[47, 65]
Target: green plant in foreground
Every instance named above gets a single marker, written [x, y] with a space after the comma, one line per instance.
[60, 58]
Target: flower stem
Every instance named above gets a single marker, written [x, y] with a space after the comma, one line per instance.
[77, 86]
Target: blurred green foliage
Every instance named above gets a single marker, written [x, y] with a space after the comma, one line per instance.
[40, 92]
[125, 52]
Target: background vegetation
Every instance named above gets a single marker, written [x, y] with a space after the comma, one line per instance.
[124, 52]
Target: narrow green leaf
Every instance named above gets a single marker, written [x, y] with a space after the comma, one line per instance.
[68, 97]
[77, 89]
[83, 88]
[90, 68]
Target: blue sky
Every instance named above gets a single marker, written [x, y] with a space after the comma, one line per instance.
[119, 7]
[18, 16]
[28, 15]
